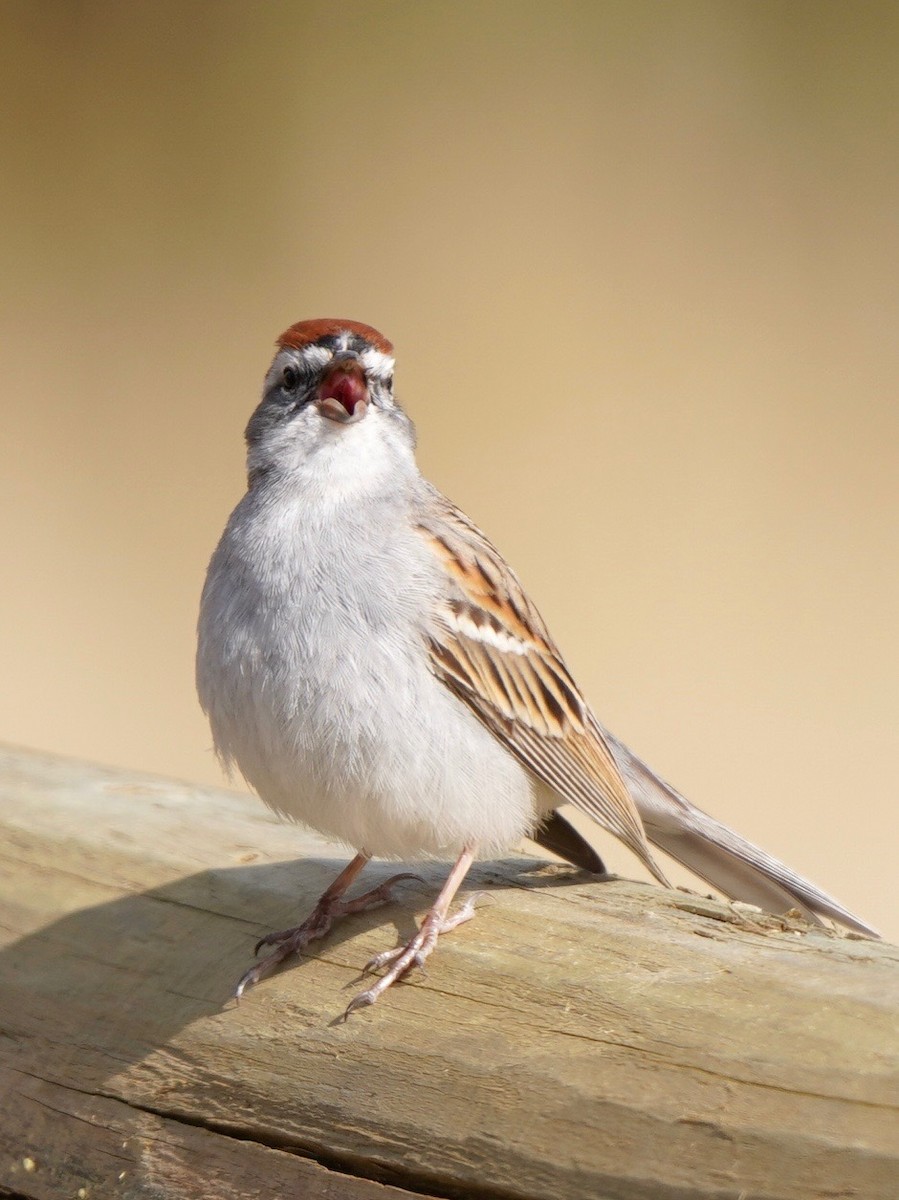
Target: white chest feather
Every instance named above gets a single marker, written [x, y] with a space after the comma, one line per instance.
[312, 666]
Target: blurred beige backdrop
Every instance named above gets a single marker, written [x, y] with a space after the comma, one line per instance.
[640, 264]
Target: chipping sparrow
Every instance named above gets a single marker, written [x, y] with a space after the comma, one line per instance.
[371, 664]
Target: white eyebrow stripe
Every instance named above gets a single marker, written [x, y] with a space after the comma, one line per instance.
[316, 356]
[376, 362]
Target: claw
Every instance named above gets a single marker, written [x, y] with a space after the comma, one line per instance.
[274, 939]
[329, 907]
[361, 1001]
[246, 980]
[414, 954]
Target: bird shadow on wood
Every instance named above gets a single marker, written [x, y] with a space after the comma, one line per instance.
[120, 979]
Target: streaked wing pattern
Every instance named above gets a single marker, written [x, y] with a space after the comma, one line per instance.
[491, 647]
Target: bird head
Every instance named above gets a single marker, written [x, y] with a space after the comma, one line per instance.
[328, 378]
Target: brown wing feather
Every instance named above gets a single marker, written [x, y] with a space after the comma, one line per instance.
[491, 647]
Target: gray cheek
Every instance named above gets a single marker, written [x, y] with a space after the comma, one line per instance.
[403, 424]
[258, 425]
[273, 414]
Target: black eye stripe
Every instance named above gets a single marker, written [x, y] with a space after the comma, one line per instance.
[298, 374]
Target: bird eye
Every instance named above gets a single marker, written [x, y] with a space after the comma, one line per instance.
[290, 378]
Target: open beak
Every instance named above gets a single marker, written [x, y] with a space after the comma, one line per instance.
[343, 392]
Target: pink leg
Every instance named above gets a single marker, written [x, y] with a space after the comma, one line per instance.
[330, 906]
[415, 952]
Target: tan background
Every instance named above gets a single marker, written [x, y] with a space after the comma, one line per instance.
[640, 263]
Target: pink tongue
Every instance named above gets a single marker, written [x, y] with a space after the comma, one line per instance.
[349, 390]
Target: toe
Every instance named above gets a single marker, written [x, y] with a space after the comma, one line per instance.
[382, 894]
[383, 959]
[466, 913]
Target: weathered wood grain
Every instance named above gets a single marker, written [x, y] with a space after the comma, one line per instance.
[578, 1040]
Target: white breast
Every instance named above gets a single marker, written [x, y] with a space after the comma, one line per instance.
[313, 669]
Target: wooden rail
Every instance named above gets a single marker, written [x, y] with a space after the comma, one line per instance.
[580, 1040]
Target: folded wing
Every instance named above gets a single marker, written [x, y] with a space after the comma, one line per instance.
[491, 647]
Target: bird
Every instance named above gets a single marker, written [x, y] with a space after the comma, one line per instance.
[372, 666]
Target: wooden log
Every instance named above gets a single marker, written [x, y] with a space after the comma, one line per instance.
[580, 1039]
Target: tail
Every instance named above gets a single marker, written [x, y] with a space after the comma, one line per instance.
[718, 855]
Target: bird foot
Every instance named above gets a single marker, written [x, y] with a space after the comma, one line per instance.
[414, 954]
[327, 910]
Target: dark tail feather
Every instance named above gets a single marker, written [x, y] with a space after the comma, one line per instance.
[558, 835]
